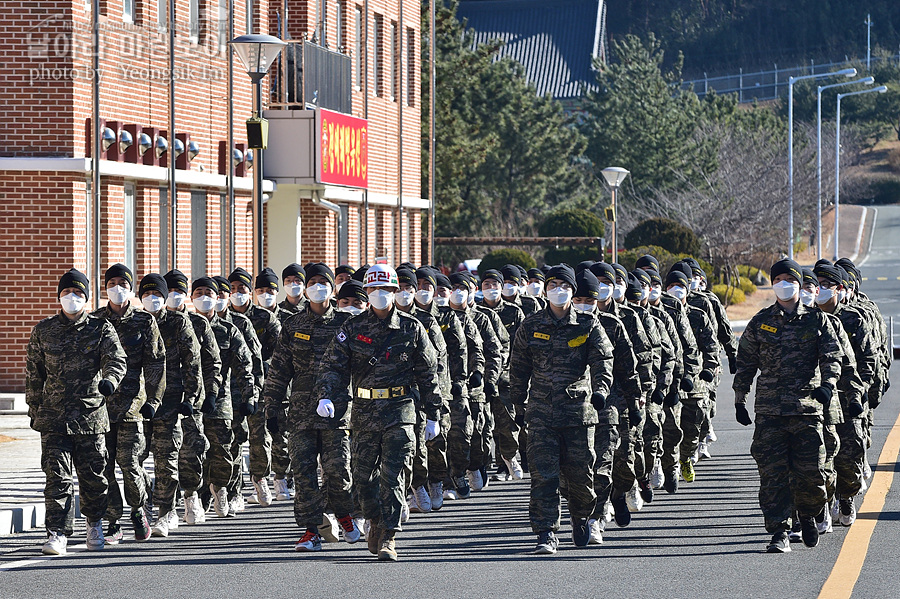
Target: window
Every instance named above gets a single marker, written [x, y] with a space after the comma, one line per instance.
[128, 11]
[223, 25]
[130, 226]
[358, 49]
[410, 67]
[194, 20]
[394, 71]
[162, 12]
[377, 56]
[198, 233]
[339, 24]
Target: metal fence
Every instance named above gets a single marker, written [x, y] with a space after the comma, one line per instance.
[310, 76]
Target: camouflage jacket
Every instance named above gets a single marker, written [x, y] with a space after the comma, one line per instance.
[863, 340]
[556, 364]
[210, 357]
[794, 353]
[492, 347]
[475, 358]
[244, 325]
[527, 304]
[184, 379]
[880, 338]
[657, 334]
[302, 343]
[440, 346]
[671, 340]
[237, 367]
[640, 344]
[724, 334]
[455, 340]
[267, 327]
[511, 316]
[286, 309]
[850, 387]
[65, 361]
[691, 358]
[393, 354]
[625, 392]
[145, 379]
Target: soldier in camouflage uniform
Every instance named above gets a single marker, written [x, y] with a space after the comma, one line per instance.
[512, 282]
[293, 277]
[535, 285]
[138, 397]
[380, 354]
[562, 361]
[237, 368]
[73, 364]
[798, 357]
[183, 397]
[313, 436]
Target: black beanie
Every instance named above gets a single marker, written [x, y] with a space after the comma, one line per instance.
[344, 269]
[239, 275]
[852, 271]
[293, 270]
[153, 282]
[846, 277]
[175, 279]
[829, 273]
[426, 274]
[205, 282]
[587, 285]
[536, 273]
[360, 273]
[583, 265]
[74, 278]
[267, 279]
[822, 261]
[319, 269]
[354, 290]
[642, 276]
[786, 266]
[545, 268]
[406, 276]
[442, 280]
[511, 272]
[677, 276]
[620, 270]
[603, 269]
[655, 278]
[407, 266]
[685, 268]
[647, 261]
[494, 275]
[458, 278]
[119, 270]
[809, 277]
[563, 272]
[633, 290]
[224, 285]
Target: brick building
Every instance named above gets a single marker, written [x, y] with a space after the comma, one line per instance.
[355, 57]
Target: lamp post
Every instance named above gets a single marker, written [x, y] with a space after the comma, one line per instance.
[615, 176]
[865, 81]
[837, 159]
[257, 52]
[845, 72]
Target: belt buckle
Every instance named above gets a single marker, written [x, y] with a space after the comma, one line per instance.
[364, 393]
[381, 393]
[397, 391]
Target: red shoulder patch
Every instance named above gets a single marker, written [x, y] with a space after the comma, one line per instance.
[364, 339]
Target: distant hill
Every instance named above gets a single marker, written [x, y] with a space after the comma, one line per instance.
[722, 35]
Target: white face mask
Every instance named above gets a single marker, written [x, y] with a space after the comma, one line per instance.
[339, 285]
[175, 299]
[523, 289]
[153, 303]
[655, 292]
[318, 293]
[266, 300]
[785, 290]
[404, 298]
[534, 289]
[293, 289]
[471, 298]
[72, 303]
[645, 293]
[424, 297]
[204, 303]
[510, 290]
[240, 299]
[381, 299]
[559, 297]
[842, 295]
[351, 310]
[678, 292]
[491, 295]
[118, 294]
[695, 283]
[823, 297]
[605, 291]
[459, 297]
[807, 298]
[619, 291]
[221, 304]
[442, 301]
[584, 308]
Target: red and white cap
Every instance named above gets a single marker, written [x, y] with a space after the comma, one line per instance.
[381, 275]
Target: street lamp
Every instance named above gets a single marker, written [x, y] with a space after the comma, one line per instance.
[615, 176]
[837, 159]
[257, 53]
[846, 73]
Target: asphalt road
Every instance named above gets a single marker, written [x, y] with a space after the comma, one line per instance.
[705, 541]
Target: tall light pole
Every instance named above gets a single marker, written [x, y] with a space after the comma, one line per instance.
[837, 159]
[845, 72]
[864, 81]
[615, 176]
[257, 53]
[868, 25]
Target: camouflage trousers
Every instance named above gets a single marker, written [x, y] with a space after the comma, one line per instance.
[832, 447]
[268, 452]
[606, 439]
[218, 464]
[166, 439]
[506, 431]
[59, 453]
[126, 442]
[628, 459]
[459, 437]
[848, 462]
[192, 454]
[378, 460]
[672, 436]
[241, 431]
[417, 474]
[694, 416]
[331, 447]
[653, 437]
[438, 469]
[555, 453]
[790, 455]
[480, 452]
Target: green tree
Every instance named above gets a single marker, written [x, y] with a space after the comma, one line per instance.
[666, 233]
[501, 257]
[571, 222]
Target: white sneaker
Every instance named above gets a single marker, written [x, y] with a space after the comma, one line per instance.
[437, 496]
[173, 519]
[350, 529]
[450, 494]
[514, 469]
[476, 483]
[193, 510]
[867, 468]
[161, 528]
[634, 500]
[825, 525]
[848, 511]
[696, 457]
[263, 493]
[55, 545]
[281, 490]
[413, 504]
[657, 476]
[360, 526]
[596, 533]
[95, 540]
[220, 500]
[404, 512]
[835, 509]
[329, 529]
[239, 502]
[253, 499]
[233, 506]
[711, 436]
[607, 512]
[423, 499]
[703, 451]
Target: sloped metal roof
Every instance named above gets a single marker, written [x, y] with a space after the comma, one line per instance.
[554, 40]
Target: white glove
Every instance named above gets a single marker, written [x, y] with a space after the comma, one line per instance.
[325, 409]
[432, 428]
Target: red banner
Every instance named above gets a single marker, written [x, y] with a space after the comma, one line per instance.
[343, 152]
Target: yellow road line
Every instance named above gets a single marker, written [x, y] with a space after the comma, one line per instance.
[882, 278]
[853, 553]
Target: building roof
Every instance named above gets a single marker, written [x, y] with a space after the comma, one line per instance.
[556, 41]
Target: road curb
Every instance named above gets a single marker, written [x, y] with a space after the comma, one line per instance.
[28, 516]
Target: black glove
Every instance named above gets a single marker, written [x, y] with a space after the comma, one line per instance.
[855, 409]
[186, 409]
[148, 411]
[490, 389]
[598, 401]
[732, 364]
[634, 416]
[272, 425]
[456, 389]
[687, 385]
[658, 397]
[248, 409]
[106, 387]
[520, 416]
[822, 394]
[671, 399]
[873, 403]
[475, 380]
[742, 415]
[887, 385]
[707, 375]
[209, 404]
